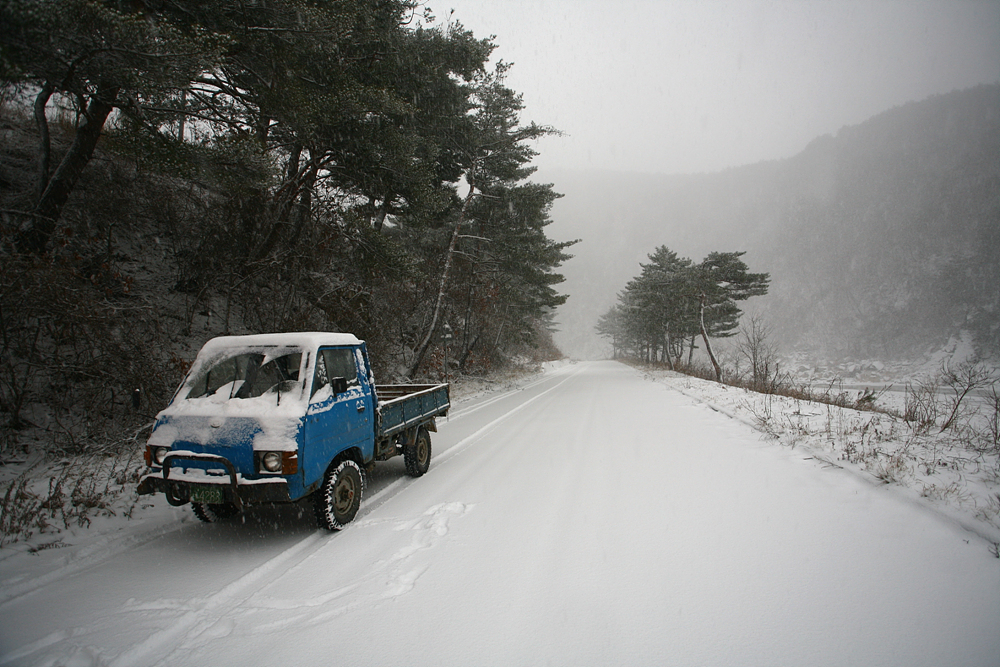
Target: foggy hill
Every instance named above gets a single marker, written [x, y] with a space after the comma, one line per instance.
[882, 241]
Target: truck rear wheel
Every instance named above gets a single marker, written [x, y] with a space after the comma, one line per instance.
[339, 498]
[417, 455]
[211, 513]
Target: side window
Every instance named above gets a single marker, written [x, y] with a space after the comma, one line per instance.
[321, 379]
[334, 363]
[340, 364]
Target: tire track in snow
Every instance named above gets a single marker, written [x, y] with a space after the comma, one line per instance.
[195, 622]
[88, 556]
[463, 444]
[395, 487]
[222, 613]
[382, 581]
[462, 412]
[46, 641]
[156, 649]
[109, 547]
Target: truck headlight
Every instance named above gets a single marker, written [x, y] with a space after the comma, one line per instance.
[160, 453]
[271, 461]
[286, 463]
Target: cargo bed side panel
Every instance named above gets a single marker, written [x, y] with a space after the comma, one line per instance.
[404, 406]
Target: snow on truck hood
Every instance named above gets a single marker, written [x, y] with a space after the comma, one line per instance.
[230, 408]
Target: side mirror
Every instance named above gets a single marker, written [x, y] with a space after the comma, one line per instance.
[339, 385]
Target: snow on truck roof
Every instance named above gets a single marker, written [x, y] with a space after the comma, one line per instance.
[298, 339]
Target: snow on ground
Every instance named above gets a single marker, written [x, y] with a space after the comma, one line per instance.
[65, 539]
[588, 516]
[804, 369]
[937, 470]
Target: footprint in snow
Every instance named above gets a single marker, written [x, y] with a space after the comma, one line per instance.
[428, 530]
[404, 583]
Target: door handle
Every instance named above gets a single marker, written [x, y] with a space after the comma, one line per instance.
[361, 407]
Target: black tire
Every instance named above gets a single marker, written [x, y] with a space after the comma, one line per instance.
[339, 498]
[417, 455]
[212, 513]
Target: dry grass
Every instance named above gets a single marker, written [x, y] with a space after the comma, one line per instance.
[48, 500]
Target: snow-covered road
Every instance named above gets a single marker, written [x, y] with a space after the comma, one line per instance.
[589, 518]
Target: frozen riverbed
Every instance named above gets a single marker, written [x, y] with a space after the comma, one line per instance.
[590, 517]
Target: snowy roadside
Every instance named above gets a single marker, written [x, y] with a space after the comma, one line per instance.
[937, 471]
[467, 388]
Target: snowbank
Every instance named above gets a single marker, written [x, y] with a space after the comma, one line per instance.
[938, 471]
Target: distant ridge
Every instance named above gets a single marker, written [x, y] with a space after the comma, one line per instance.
[883, 241]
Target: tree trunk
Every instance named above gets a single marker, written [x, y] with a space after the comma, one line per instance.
[667, 350]
[181, 118]
[418, 356]
[383, 210]
[263, 130]
[35, 236]
[288, 203]
[468, 351]
[302, 212]
[704, 336]
[44, 141]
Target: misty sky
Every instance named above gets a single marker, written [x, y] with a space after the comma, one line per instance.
[689, 86]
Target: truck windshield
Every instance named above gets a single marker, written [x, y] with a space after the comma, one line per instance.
[246, 375]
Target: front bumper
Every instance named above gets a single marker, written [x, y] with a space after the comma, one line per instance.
[181, 489]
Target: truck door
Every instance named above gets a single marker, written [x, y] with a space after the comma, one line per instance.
[336, 420]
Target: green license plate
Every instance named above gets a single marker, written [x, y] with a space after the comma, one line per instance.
[207, 494]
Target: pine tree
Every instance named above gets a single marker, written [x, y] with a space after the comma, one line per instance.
[94, 58]
[674, 300]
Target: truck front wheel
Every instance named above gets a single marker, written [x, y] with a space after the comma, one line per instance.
[339, 499]
[417, 455]
[211, 513]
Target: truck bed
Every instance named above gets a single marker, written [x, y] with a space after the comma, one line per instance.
[401, 406]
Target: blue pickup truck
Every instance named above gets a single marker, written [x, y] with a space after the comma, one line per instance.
[279, 417]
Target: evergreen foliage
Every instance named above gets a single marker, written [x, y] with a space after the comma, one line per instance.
[230, 167]
[674, 300]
